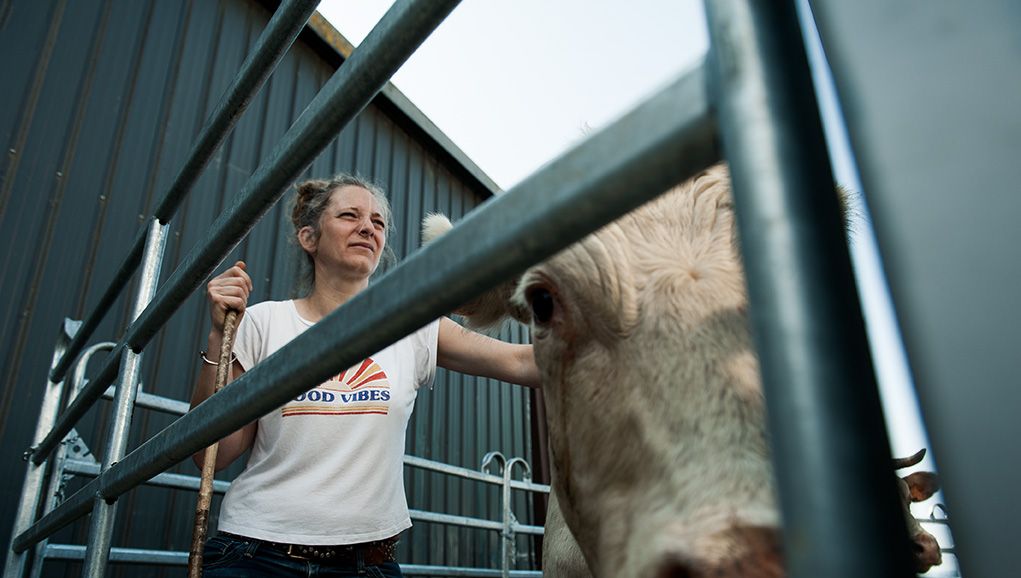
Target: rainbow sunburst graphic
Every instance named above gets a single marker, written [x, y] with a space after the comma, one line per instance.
[359, 390]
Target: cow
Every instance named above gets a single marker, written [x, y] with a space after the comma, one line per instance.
[657, 424]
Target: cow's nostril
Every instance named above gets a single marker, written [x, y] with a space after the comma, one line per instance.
[674, 569]
[926, 552]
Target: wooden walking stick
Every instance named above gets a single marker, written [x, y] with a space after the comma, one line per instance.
[198, 537]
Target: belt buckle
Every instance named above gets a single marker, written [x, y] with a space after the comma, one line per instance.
[293, 551]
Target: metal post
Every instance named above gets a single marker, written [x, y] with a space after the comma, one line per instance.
[505, 499]
[510, 522]
[828, 437]
[32, 489]
[59, 459]
[103, 512]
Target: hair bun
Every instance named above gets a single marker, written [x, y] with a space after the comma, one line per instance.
[305, 192]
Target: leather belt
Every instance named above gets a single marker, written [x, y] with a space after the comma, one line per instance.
[372, 553]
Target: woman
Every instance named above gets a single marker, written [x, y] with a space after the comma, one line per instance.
[323, 491]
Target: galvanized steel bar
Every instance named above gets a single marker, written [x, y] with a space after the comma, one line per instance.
[452, 520]
[527, 529]
[509, 520]
[59, 460]
[350, 89]
[165, 480]
[126, 555]
[78, 379]
[281, 31]
[103, 511]
[154, 402]
[401, 30]
[443, 468]
[666, 139]
[510, 524]
[828, 437]
[32, 488]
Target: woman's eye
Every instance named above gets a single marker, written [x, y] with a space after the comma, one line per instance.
[542, 303]
[380, 225]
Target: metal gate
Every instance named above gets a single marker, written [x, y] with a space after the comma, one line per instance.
[753, 98]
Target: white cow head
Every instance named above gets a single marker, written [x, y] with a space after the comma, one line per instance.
[656, 418]
[657, 422]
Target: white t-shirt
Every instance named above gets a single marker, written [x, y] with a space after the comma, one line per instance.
[327, 467]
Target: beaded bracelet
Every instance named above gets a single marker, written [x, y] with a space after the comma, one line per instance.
[233, 358]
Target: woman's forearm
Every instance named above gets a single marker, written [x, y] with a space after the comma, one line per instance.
[237, 443]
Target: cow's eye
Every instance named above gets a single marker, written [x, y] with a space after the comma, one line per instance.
[542, 304]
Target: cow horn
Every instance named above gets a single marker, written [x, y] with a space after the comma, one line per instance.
[899, 463]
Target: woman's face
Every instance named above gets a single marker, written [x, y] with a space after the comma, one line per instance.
[352, 234]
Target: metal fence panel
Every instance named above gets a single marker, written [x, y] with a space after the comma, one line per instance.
[114, 120]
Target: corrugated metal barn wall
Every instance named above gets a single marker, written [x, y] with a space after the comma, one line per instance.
[100, 104]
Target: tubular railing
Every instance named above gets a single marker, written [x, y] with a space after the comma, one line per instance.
[72, 458]
[805, 312]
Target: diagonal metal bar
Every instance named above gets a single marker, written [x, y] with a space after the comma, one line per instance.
[401, 30]
[666, 139]
[281, 31]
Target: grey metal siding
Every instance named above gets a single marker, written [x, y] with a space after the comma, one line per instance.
[101, 102]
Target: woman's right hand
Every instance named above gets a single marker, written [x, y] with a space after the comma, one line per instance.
[228, 290]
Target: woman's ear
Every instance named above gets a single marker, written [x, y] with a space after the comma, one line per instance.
[308, 240]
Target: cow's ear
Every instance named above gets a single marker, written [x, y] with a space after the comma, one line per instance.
[434, 225]
[922, 485]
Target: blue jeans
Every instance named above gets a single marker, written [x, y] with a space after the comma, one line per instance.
[230, 557]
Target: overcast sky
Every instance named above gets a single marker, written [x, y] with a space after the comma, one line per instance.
[515, 83]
